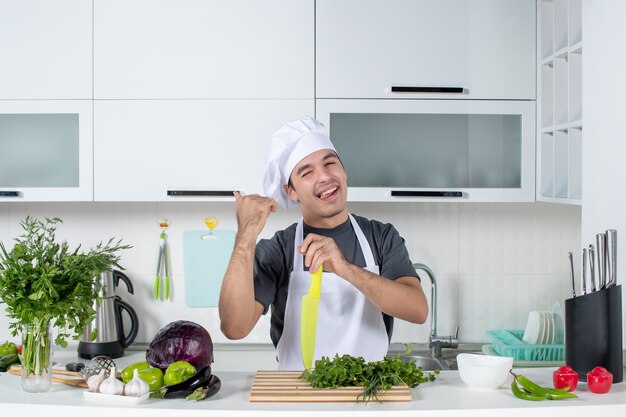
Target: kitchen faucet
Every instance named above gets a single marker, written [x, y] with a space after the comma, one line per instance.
[436, 342]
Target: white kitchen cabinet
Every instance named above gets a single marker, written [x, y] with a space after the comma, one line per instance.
[147, 150]
[190, 49]
[559, 103]
[485, 48]
[46, 49]
[46, 150]
[434, 150]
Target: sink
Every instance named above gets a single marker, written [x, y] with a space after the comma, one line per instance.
[427, 362]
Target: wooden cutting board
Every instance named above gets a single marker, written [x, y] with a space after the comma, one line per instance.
[286, 386]
[77, 381]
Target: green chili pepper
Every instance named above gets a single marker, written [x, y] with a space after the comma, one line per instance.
[534, 392]
[539, 390]
[525, 395]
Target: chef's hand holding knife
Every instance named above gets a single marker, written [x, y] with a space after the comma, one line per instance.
[402, 298]
[321, 250]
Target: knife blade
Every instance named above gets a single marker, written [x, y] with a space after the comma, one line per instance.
[611, 251]
[601, 254]
[571, 272]
[592, 269]
[308, 321]
[583, 284]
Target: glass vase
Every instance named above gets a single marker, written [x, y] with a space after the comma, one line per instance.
[37, 358]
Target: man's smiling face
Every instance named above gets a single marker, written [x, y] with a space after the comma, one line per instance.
[319, 183]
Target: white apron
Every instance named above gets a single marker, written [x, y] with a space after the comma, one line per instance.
[347, 323]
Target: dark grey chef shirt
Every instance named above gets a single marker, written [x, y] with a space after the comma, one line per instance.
[273, 262]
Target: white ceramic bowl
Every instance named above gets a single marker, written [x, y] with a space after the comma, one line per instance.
[483, 371]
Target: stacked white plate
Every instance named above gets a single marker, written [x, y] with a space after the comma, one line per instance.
[541, 328]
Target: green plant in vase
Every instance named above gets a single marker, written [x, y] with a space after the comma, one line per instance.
[43, 284]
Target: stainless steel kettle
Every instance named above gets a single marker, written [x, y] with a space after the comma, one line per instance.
[108, 325]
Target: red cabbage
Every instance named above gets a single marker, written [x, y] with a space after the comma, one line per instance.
[181, 341]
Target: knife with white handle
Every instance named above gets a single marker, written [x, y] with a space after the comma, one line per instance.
[601, 255]
[611, 252]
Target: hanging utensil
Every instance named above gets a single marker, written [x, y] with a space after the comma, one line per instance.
[211, 224]
[611, 251]
[571, 271]
[162, 280]
[601, 255]
[592, 269]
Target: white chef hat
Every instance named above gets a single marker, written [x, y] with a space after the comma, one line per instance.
[288, 146]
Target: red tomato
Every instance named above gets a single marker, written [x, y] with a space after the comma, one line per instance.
[599, 380]
[564, 377]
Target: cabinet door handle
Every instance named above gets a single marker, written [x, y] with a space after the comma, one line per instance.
[200, 193]
[405, 89]
[454, 194]
[10, 194]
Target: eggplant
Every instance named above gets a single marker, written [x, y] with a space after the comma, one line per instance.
[207, 391]
[182, 389]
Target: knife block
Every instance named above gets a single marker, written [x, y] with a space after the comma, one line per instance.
[593, 332]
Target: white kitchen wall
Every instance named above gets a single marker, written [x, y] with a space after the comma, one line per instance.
[604, 89]
[493, 262]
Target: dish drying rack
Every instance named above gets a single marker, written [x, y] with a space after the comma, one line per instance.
[509, 343]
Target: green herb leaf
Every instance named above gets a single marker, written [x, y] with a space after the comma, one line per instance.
[42, 281]
[374, 377]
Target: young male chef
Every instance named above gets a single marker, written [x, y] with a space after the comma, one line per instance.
[368, 277]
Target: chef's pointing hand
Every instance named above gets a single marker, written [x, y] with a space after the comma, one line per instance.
[253, 211]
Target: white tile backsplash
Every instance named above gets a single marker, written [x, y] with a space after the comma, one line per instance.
[493, 262]
[502, 301]
[517, 238]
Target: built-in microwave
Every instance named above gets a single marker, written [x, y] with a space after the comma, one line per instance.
[434, 150]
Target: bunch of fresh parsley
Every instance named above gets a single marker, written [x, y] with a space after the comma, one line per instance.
[347, 370]
[45, 283]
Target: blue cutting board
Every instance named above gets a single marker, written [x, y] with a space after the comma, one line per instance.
[206, 259]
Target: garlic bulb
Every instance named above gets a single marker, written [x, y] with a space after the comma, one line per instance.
[94, 381]
[136, 387]
[112, 385]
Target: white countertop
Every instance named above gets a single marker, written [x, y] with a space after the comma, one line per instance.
[447, 396]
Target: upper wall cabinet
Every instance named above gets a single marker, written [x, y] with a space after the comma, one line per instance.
[185, 150]
[559, 101]
[46, 150]
[434, 150]
[481, 49]
[189, 49]
[46, 49]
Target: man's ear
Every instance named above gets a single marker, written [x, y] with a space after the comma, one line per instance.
[291, 192]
